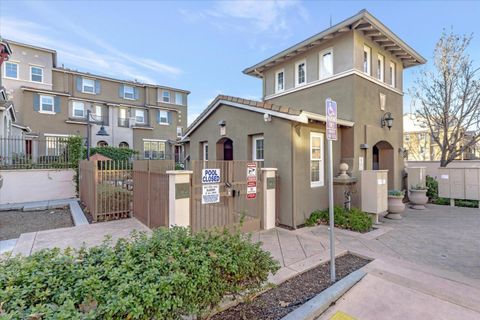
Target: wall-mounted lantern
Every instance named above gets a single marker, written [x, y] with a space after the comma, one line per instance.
[223, 130]
[387, 120]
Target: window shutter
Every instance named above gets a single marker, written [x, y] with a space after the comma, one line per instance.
[78, 81]
[120, 91]
[135, 93]
[36, 102]
[158, 116]
[97, 86]
[169, 117]
[56, 104]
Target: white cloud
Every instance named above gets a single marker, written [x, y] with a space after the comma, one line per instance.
[102, 58]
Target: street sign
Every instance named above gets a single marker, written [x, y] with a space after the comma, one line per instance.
[331, 114]
[251, 180]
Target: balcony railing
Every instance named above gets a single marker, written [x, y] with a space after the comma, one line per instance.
[124, 122]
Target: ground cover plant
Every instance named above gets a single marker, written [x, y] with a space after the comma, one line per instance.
[168, 275]
[353, 219]
[432, 194]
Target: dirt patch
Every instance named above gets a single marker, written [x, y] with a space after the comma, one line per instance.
[15, 222]
[288, 296]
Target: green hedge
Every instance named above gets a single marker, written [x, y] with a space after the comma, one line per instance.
[114, 153]
[353, 219]
[169, 275]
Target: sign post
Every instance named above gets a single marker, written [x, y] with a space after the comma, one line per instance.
[331, 114]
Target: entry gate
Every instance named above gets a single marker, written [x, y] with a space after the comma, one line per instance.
[234, 205]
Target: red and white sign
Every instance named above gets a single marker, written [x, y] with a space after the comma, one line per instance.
[251, 180]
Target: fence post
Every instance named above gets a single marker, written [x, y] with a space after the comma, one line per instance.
[179, 193]
[269, 190]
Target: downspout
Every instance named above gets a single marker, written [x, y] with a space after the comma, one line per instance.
[292, 167]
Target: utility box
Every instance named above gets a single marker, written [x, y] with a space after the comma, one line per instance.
[416, 176]
[459, 183]
[374, 190]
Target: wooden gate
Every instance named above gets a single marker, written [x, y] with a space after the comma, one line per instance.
[234, 206]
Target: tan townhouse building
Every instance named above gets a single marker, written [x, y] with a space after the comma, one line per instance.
[359, 63]
[53, 101]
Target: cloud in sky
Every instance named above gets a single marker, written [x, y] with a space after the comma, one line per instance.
[106, 59]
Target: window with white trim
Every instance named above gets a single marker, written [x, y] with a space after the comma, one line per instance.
[98, 111]
[154, 149]
[11, 70]
[280, 81]
[367, 58]
[179, 98]
[326, 64]
[163, 117]
[88, 85]
[258, 148]
[78, 109]
[204, 150]
[316, 159]
[46, 104]
[392, 74]
[179, 132]
[128, 92]
[36, 74]
[55, 145]
[300, 73]
[139, 116]
[381, 68]
[166, 96]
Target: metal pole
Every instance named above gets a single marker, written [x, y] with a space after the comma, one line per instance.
[330, 211]
[88, 134]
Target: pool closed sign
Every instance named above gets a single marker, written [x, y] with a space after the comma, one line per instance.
[210, 186]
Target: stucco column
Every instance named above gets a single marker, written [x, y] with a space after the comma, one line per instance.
[179, 192]
[269, 190]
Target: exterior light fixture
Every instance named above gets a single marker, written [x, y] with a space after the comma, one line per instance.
[387, 120]
[101, 132]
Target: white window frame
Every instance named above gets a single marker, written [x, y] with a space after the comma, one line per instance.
[177, 95]
[321, 71]
[297, 64]
[158, 143]
[205, 151]
[277, 89]
[31, 73]
[53, 139]
[393, 74]
[97, 108]
[321, 165]
[125, 92]
[40, 108]
[140, 113]
[381, 70]
[84, 84]
[368, 50]
[166, 93]
[75, 106]
[166, 117]
[5, 69]
[179, 132]
[254, 147]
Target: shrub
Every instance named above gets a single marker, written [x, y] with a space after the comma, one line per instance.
[396, 193]
[432, 188]
[170, 275]
[114, 153]
[353, 219]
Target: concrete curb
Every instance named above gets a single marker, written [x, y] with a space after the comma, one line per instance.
[317, 305]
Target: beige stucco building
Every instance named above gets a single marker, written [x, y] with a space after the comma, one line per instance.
[358, 63]
[53, 102]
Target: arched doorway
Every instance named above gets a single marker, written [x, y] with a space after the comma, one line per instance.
[383, 159]
[225, 149]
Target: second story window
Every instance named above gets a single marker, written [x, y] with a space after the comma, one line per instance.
[179, 98]
[163, 117]
[392, 74]
[326, 64]
[36, 74]
[367, 58]
[380, 67]
[46, 104]
[78, 109]
[300, 73]
[11, 70]
[88, 85]
[166, 96]
[179, 132]
[140, 116]
[280, 81]
[128, 92]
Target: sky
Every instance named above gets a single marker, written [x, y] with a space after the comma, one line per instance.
[203, 46]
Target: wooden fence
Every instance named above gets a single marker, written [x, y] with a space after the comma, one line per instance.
[151, 192]
[106, 188]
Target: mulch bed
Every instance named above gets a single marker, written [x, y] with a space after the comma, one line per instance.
[279, 301]
[15, 222]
